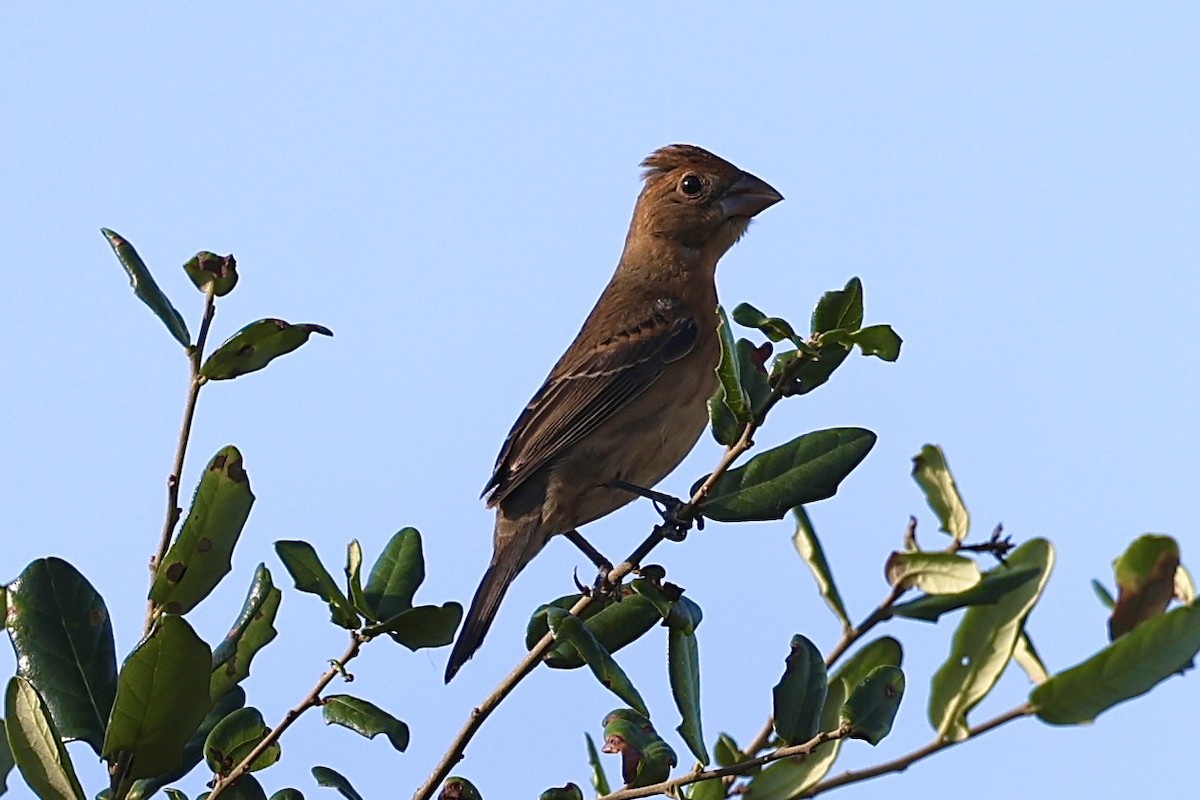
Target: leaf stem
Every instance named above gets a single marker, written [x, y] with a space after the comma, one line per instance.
[195, 381]
[903, 762]
[311, 700]
[740, 768]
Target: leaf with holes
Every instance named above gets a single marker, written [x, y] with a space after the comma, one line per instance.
[872, 705]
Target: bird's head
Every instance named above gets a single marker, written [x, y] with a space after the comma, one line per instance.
[697, 200]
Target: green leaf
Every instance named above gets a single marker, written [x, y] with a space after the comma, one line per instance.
[683, 667]
[995, 584]
[727, 752]
[193, 750]
[310, 575]
[872, 705]
[1027, 658]
[6, 759]
[146, 289]
[421, 627]
[775, 328]
[398, 572]
[37, 747]
[455, 788]
[571, 629]
[354, 588]
[814, 371]
[725, 429]
[252, 631]
[255, 346]
[984, 643]
[840, 309]
[1102, 594]
[1131, 666]
[711, 789]
[568, 792]
[932, 474]
[799, 697]
[804, 470]
[63, 640]
[613, 623]
[684, 616]
[879, 341]
[1145, 575]
[200, 555]
[729, 372]
[788, 778]
[599, 779]
[335, 780]
[932, 573]
[365, 719]
[206, 268]
[288, 794]
[235, 737]
[753, 375]
[172, 794]
[810, 549]
[162, 697]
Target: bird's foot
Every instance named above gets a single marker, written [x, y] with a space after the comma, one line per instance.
[678, 516]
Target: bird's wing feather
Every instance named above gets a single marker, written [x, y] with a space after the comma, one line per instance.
[577, 399]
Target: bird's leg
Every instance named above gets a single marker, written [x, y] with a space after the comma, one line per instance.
[602, 588]
[675, 524]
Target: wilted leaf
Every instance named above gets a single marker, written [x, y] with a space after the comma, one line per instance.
[1145, 575]
[205, 268]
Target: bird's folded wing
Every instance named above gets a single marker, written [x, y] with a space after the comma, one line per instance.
[577, 398]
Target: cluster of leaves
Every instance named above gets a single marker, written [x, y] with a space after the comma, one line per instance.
[176, 701]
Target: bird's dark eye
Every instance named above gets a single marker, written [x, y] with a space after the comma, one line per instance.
[691, 184]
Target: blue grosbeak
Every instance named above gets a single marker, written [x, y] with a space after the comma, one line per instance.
[627, 401]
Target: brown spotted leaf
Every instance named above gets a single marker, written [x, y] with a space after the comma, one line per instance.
[200, 556]
[255, 346]
[1145, 575]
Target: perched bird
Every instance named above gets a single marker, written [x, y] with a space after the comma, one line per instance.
[627, 400]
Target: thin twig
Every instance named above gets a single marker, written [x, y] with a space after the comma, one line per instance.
[903, 762]
[194, 353]
[311, 700]
[734, 769]
[882, 613]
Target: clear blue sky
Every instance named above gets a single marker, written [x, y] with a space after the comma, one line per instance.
[1015, 183]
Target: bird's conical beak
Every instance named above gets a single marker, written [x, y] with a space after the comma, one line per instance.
[748, 196]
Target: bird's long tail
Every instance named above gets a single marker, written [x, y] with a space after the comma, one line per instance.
[510, 557]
